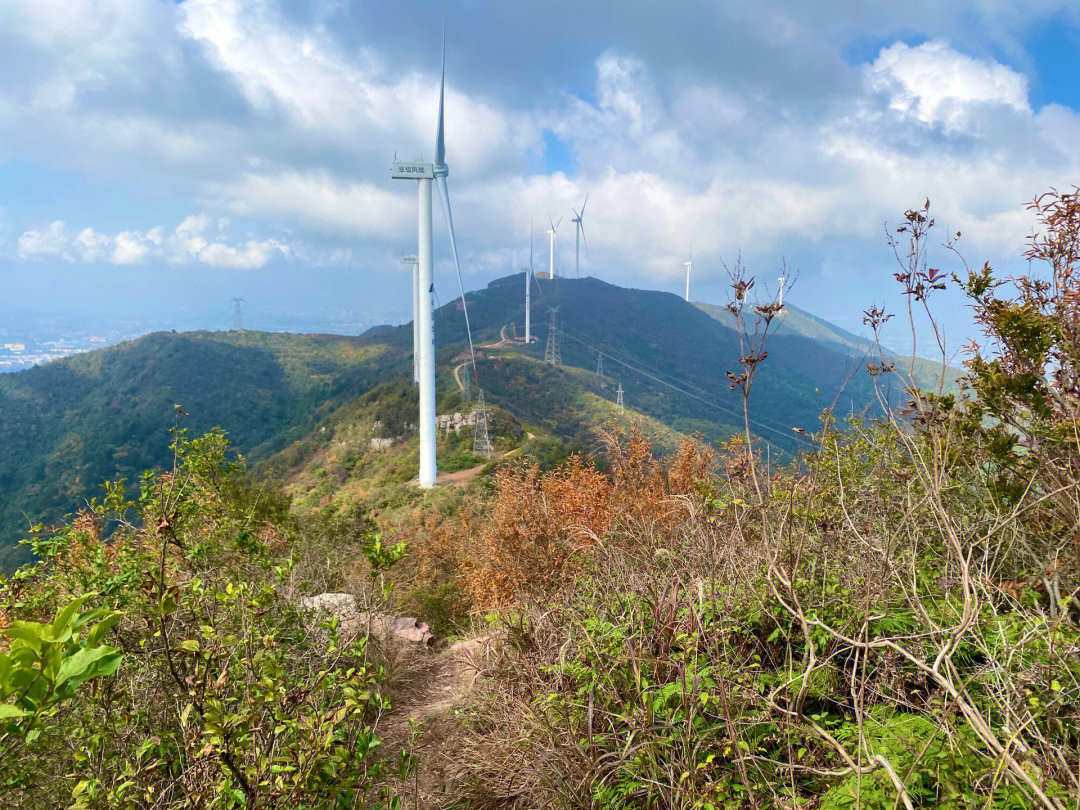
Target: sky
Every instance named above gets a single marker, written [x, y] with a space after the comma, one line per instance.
[159, 158]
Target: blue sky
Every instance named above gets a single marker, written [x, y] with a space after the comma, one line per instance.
[161, 157]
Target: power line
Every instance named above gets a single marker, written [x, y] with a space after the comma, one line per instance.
[712, 404]
[611, 353]
[704, 395]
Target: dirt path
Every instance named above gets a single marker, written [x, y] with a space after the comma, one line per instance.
[421, 718]
[459, 478]
[502, 341]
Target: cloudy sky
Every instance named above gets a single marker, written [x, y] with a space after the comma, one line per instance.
[160, 157]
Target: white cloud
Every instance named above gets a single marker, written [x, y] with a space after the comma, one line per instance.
[47, 242]
[91, 244]
[938, 85]
[188, 243]
[319, 201]
[285, 121]
[130, 248]
[346, 99]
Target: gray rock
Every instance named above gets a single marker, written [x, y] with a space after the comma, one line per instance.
[353, 621]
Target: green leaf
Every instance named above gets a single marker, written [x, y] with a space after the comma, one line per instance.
[7, 710]
[88, 663]
[63, 618]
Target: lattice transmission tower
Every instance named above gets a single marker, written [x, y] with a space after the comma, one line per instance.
[238, 314]
[600, 364]
[466, 383]
[618, 398]
[481, 444]
[553, 354]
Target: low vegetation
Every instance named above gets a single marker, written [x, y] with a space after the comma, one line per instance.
[890, 621]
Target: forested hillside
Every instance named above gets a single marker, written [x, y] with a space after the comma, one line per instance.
[72, 424]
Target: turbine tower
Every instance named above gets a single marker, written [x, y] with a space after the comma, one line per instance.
[689, 265]
[579, 237]
[551, 253]
[415, 265]
[782, 279]
[424, 173]
[528, 288]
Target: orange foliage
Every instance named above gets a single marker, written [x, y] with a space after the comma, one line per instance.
[537, 522]
[541, 523]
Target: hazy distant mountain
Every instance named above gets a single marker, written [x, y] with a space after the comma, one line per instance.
[67, 426]
[796, 321]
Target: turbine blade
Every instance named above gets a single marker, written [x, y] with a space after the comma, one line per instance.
[584, 241]
[552, 222]
[584, 204]
[557, 224]
[444, 198]
[440, 141]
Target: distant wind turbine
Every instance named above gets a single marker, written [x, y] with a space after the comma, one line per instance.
[528, 288]
[551, 255]
[424, 174]
[689, 265]
[579, 237]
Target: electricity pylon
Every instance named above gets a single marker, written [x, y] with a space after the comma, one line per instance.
[552, 353]
[481, 444]
[599, 364]
[238, 314]
[618, 400]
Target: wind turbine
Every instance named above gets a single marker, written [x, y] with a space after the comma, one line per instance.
[689, 265]
[579, 237]
[782, 281]
[528, 287]
[424, 174]
[412, 260]
[551, 257]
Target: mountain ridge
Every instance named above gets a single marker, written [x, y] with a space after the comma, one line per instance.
[70, 425]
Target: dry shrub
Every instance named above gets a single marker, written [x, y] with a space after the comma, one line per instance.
[540, 522]
[537, 522]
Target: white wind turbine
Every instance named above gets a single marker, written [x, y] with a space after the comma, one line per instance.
[689, 265]
[414, 264]
[424, 174]
[551, 254]
[579, 237]
[528, 288]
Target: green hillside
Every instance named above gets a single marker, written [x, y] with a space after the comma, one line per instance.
[68, 426]
[795, 322]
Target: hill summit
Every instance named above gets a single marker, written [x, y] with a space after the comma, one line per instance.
[71, 424]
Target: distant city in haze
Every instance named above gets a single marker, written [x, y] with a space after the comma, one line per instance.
[31, 339]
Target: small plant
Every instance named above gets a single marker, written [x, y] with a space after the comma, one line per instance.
[46, 664]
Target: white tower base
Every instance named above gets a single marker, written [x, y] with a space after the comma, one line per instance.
[426, 342]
